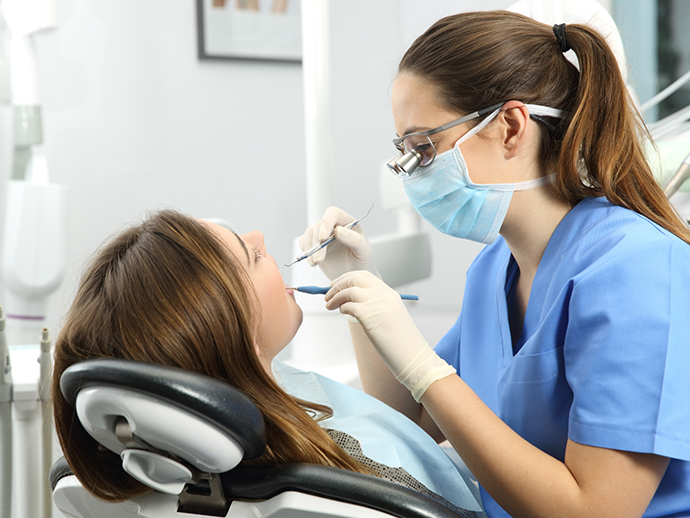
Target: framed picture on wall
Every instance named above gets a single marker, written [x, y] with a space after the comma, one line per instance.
[249, 29]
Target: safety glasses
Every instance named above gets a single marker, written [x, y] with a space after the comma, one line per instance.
[417, 149]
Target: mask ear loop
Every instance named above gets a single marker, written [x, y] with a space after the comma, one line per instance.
[519, 186]
[478, 127]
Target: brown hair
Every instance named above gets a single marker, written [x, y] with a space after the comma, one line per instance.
[168, 292]
[479, 59]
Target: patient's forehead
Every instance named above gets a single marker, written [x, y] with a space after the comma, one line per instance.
[229, 239]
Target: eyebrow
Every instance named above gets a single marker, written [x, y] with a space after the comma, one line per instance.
[415, 129]
[249, 262]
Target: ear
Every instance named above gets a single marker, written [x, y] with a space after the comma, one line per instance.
[514, 119]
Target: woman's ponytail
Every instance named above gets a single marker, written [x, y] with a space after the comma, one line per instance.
[601, 153]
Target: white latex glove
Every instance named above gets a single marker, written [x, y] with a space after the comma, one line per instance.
[350, 251]
[390, 328]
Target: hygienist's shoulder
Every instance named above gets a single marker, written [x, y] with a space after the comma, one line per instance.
[607, 231]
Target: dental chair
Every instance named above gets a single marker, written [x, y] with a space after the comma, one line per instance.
[184, 434]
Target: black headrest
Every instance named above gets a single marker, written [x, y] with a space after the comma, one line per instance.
[213, 400]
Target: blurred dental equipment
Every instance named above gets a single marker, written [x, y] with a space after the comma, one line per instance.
[402, 257]
[673, 128]
[316, 78]
[679, 178]
[326, 241]
[5, 423]
[675, 125]
[31, 268]
[672, 133]
[34, 250]
[322, 290]
[35, 220]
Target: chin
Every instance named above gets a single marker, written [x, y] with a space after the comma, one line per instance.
[299, 317]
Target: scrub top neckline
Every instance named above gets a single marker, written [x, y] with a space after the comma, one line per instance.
[556, 243]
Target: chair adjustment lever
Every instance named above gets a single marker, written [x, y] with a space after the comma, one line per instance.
[204, 497]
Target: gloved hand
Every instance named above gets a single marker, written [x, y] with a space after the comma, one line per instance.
[350, 251]
[390, 328]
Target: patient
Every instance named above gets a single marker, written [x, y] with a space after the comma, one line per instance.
[190, 294]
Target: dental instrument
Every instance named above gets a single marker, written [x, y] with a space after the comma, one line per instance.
[5, 423]
[682, 174]
[44, 383]
[326, 241]
[322, 290]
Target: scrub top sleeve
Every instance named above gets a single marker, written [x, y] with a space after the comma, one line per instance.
[627, 352]
[448, 347]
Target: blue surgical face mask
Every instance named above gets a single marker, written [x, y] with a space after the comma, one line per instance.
[443, 194]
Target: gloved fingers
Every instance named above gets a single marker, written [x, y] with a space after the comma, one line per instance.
[353, 295]
[355, 241]
[305, 240]
[317, 257]
[349, 309]
[361, 278]
[332, 217]
[358, 288]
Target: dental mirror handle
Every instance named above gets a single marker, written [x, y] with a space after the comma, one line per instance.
[322, 290]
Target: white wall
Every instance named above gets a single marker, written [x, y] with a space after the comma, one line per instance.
[133, 121]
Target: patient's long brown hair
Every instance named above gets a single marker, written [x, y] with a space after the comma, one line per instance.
[168, 292]
[479, 59]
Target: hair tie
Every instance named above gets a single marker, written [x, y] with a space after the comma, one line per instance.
[559, 32]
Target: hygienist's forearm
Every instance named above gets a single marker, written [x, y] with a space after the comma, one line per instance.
[378, 380]
[524, 480]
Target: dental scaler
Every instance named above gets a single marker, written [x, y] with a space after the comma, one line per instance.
[325, 242]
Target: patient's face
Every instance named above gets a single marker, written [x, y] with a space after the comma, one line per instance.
[280, 314]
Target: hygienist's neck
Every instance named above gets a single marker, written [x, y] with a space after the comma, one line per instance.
[532, 218]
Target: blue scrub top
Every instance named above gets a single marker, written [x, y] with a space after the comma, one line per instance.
[604, 355]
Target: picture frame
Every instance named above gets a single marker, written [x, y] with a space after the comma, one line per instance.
[266, 30]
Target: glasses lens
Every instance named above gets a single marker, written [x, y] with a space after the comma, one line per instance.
[421, 145]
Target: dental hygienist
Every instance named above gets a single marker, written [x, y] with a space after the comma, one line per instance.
[572, 351]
